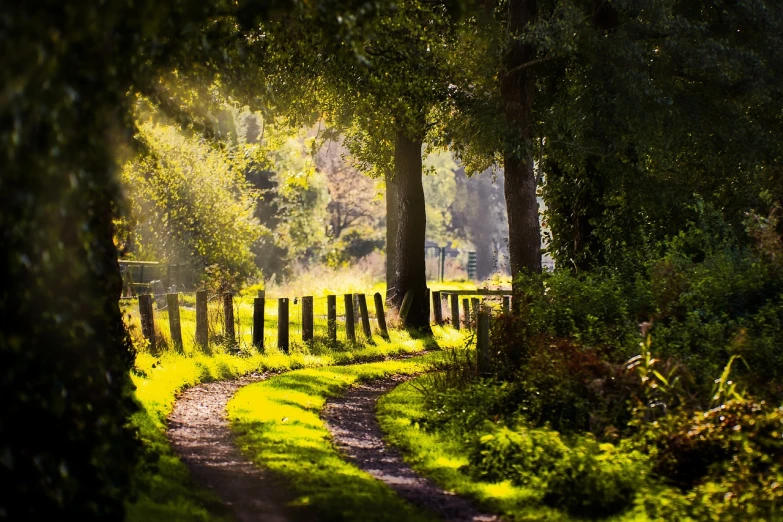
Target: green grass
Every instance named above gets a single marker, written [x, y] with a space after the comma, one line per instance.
[441, 456]
[166, 491]
[278, 425]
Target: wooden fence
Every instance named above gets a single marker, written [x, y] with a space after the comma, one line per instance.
[331, 318]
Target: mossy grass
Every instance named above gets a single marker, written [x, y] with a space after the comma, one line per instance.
[444, 458]
[277, 423]
[164, 487]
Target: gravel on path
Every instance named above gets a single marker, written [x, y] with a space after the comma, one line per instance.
[200, 434]
[351, 421]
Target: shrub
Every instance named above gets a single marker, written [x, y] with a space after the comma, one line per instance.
[526, 456]
[689, 448]
[596, 479]
[571, 388]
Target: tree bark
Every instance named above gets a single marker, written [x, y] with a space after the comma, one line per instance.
[392, 220]
[517, 90]
[410, 271]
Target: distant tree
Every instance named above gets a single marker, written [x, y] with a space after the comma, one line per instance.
[353, 198]
[190, 202]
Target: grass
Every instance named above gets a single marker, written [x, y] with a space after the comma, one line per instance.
[165, 490]
[441, 457]
[277, 424]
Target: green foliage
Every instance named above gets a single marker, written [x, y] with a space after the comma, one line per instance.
[191, 202]
[565, 478]
[460, 409]
[714, 300]
[527, 457]
[440, 191]
[596, 479]
[705, 297]
[443, 457]
[301, 201]
[653, 111]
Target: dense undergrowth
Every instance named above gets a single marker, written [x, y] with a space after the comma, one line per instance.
[585, 417]
[163, 488]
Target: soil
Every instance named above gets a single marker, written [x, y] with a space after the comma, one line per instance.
[351, 421]
[199, 431]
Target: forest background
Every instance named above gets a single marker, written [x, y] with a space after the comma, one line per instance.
[264, 203]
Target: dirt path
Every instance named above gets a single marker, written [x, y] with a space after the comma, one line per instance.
[198, 430]
[351, 420]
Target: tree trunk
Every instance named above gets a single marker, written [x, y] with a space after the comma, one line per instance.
[410, 272]
[483, 241]
[517, 90]
[392, 220]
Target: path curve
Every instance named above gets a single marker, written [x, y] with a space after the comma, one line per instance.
[199, 432]
[351, 421]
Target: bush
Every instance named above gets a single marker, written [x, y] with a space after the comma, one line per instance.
[596, 479]
[526, 456]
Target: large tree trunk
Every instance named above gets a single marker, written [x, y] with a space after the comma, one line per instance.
[410, 272]
[517, 90]
[392, 220]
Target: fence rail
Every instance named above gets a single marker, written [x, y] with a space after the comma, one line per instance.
[203, 320]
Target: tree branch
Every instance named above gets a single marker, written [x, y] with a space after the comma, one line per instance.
[531, 63]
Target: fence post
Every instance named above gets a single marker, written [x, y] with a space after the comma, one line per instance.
[379, 313]
[474, 310]
[228, 319]
[202, 321]
[147, 320]
[466, 313]
[437, 308]
[282, 324]
[506, 304]
[350, 331]
[365, 316]
[356, 314]
[258, 321]
[455, 311]
[331, 317]
[172, 303]
[482, 342]
[307, 318]
[427, 304]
